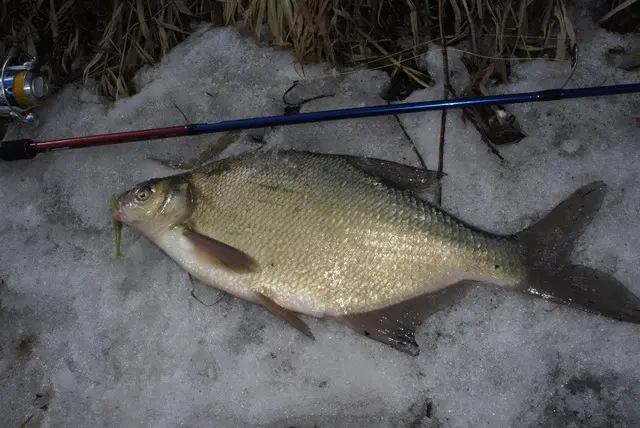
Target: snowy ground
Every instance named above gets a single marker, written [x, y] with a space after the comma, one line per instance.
[89, 341]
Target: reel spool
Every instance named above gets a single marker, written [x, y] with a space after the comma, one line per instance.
[22, 88]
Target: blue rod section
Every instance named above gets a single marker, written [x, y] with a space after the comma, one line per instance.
[381, 110]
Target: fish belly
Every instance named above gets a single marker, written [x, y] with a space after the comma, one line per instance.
[182, 251]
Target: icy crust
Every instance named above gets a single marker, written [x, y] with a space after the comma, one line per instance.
[89, 341]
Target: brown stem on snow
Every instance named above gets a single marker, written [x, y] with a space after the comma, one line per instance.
[447, 89]
[413, 145]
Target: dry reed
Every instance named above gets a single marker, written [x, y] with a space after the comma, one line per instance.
[110, 41]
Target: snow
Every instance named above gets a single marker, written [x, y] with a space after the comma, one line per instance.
[90, 341]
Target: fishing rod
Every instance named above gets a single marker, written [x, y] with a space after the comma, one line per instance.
[28, 148]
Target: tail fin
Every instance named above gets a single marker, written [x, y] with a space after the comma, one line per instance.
[551, 275]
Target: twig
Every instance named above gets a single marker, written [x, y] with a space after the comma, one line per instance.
[413, 145]
[411, 72]
[181, 112]
[24, 424]
[295, 83]
[447, 90]
[193, 294]
[616, 10]
[294, 108]
[423, 411]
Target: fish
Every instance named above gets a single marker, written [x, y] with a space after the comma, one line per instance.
[351, 238]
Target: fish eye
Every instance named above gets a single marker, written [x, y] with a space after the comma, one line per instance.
[143, 193]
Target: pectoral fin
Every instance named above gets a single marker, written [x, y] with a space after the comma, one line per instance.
[220, 254]
[285, 314]
[395, 174]
[396, 325]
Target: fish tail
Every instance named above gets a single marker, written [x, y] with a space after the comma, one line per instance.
[551, 275]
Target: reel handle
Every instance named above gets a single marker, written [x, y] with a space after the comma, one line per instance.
[17, 149]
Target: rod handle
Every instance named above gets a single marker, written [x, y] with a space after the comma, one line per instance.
[17, 150]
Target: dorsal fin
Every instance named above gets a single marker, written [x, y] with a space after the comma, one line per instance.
[394, 174]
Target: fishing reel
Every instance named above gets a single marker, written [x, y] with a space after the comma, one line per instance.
[22, 88]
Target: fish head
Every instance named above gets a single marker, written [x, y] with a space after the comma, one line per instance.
[154, 205]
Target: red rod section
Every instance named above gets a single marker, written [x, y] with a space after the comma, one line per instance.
[115, 138]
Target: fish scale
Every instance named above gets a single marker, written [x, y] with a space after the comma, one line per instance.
[347, 237]
[312, 211]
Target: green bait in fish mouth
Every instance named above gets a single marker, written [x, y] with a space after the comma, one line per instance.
[117, 227]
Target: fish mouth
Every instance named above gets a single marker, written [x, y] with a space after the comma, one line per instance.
[117, 212]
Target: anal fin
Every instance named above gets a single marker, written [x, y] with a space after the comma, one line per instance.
[285, 314]
[396, 325]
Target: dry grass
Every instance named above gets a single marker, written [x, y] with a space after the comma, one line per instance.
[108, 40]
[137, 33]
[341, 32]
[623, 16]
[111, 40]
[523, 29]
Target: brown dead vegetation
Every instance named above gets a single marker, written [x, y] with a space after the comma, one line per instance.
[111, 40]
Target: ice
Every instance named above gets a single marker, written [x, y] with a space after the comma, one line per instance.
[90, 341]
